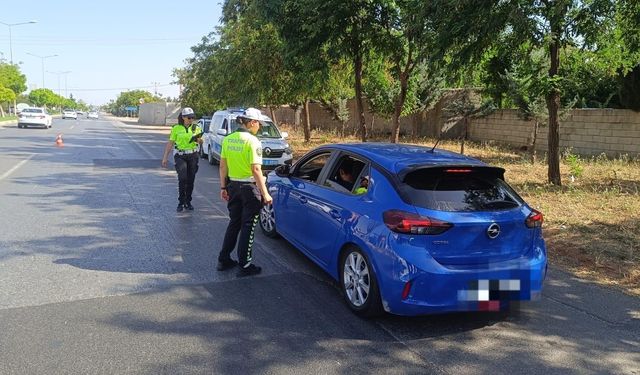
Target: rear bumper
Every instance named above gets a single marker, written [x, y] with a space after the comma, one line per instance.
[41, 122]
[435, 288]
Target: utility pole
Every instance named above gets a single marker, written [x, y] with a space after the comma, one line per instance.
[155, 88]
[10, 41]
[42, 58]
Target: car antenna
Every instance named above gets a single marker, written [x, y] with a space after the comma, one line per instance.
[434, 146]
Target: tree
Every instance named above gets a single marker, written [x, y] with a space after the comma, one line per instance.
[13, 79]
[408, 39]
[43, 97]
[466, 29]
[332, 28]
[133, 97]
[6, 95]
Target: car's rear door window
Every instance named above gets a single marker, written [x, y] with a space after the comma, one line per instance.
[460, 189]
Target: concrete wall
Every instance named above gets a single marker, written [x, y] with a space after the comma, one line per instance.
[160, 113]
[587, 131]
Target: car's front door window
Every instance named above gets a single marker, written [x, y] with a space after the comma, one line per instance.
[310, 170]
[347, 176]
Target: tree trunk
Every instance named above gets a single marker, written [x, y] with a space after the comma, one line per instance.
[465, 135]
[553, 105]
[273, 115]
[296, 120]
[1, 111]
[307, 122]
[404, 83]
[534, 140]
[357, 63]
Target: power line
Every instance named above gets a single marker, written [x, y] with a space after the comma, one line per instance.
[121, 88]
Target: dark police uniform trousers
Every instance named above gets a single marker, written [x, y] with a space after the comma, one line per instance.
[245, 203]
[186, 166]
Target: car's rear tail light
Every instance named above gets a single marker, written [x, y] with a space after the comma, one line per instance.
[407, 222]
[406, 290]
[535, 219]
[458, 170]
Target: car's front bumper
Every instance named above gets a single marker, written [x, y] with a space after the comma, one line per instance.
[435, 288]
[271, 164]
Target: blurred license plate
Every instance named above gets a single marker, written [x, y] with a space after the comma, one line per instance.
[269, 162]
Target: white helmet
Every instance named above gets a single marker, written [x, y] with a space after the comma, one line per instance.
[187, 111]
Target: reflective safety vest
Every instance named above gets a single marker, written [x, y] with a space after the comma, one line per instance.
[181, 136]
[241, 149]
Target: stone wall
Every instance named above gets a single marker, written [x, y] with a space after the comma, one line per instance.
[586, 131]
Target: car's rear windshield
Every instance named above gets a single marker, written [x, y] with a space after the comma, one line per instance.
[32, 110]
[460, 189]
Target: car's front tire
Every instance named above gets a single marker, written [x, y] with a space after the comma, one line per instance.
[359, 284]
[268, 221]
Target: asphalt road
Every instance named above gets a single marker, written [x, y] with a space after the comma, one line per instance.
[100, 275]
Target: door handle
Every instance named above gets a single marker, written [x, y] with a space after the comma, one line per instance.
[303, 200]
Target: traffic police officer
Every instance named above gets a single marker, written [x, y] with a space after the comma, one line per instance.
[243, 187]
[184, 140]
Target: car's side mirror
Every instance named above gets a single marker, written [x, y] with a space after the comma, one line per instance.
[283, 170]
[285, 135]
[221, 132]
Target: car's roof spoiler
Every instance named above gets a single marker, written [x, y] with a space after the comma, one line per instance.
[454, 168]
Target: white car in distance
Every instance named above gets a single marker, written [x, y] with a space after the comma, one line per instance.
[34, 116]
[67, 113]
[93, 115]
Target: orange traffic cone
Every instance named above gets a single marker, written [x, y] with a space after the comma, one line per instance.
[59, 142]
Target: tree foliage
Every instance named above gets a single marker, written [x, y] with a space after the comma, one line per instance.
[12, 78]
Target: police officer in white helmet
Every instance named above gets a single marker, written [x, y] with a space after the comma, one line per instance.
[183, 140]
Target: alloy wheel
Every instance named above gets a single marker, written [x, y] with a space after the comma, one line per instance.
[268, 221]
[356, 279]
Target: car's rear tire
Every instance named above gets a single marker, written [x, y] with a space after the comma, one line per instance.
[202, 154]
[359, 284]
[268, 221]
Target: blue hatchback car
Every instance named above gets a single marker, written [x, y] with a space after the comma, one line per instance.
[409, 230]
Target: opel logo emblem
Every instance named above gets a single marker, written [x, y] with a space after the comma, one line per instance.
[493, 231]
[267, 151]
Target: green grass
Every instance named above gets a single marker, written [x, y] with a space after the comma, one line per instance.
[7, 118]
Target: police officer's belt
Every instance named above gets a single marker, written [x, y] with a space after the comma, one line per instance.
[185, 152]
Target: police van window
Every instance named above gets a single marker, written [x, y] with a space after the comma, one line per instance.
[346, 174]
[268, 130]
[311, 169]
[216, 122]
[224, 124]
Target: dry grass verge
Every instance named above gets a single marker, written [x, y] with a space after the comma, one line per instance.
[592, 222]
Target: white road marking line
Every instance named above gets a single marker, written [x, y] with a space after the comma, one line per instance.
[15, 168]
[71, 127]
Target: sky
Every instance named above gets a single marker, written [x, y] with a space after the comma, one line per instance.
[106, 46]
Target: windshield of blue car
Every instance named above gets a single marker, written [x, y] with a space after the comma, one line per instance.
[460, 189]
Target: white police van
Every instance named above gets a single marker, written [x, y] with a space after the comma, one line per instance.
[275, 149]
